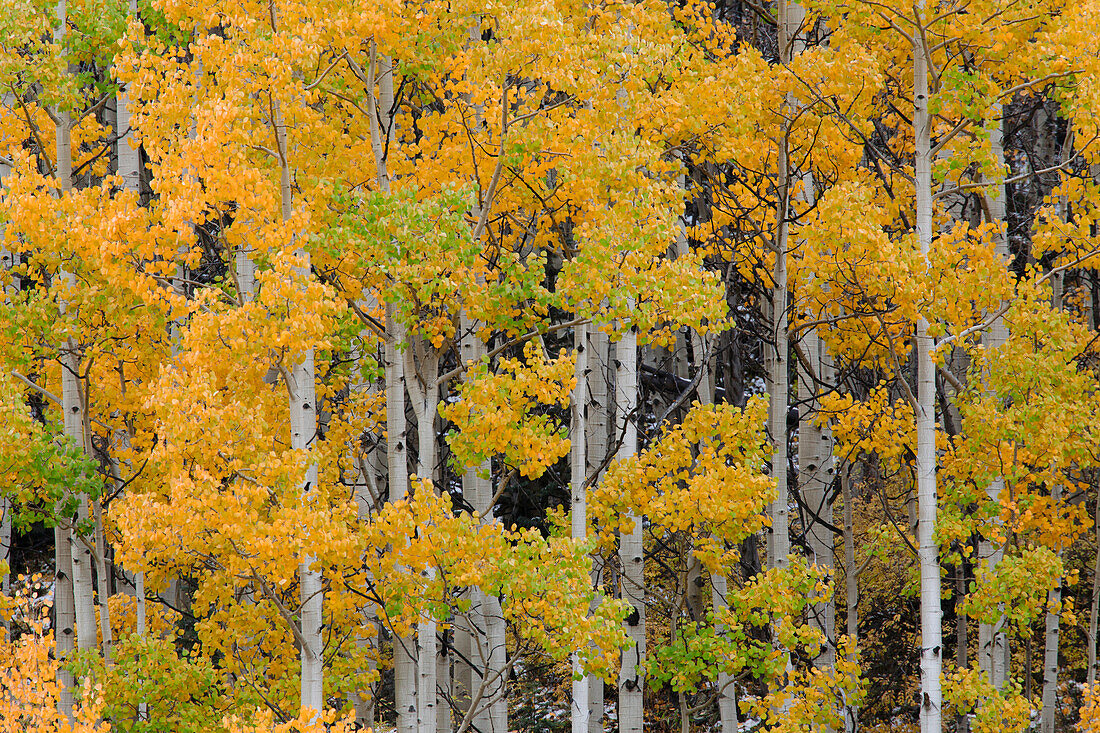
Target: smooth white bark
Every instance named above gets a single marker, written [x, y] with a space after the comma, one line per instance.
[931, 612]
[993, 650]
[776, 357]
[302, 401]
[1050, 646]
[597, 427]
[64, 621]
[128, 160]
[302, 394]
[404, 652]
[1094, 606]
[7, 262]
[579, 712]
[397, 431]
[421, 382]
[5, 542]
[631, 553]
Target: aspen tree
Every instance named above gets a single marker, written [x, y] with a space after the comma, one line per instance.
[779, 541]
[931, 628]
[816, 480]
[596, 429]
[993, 650]
[490, 706]
[1094, 602]
[631, 552]
[578, 494]
[7, 264]
[1050, 646]
[72, 606]
[404, 664]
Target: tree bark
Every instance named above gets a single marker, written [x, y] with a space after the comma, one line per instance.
[1050, 649]
[579, 711]
[1094, 606]
[7, 262]
[931, 613]
[993, 650]
[302, 399]
[815, 483]
[631, 557]
[421, 382]
[597, 429]
[404, 664]
[65, 611]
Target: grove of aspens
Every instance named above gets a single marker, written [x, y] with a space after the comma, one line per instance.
[508, 366]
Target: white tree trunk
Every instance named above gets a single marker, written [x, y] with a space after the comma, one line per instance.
[129, 168]
[1094, 606]
[776, 358]
[993, 650]
[370, 479]
[5, 543]
[597, 430]
[1050, 649]
[302, 398]
[631, 553]
[65, 611]
[421, 383]
[579, 712]
[397, 431]
[931, 704]
[404, 653]
[7, 262]
[303, 428]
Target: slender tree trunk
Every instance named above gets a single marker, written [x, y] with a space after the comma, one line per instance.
[993, 650]
[579, 711]
[7, 263]
[470, 670]
[931, 705]
[302, 398]
[776, 365]
[101, 578]
[404, 656]
[65, 612]
[369, 489]
[1050, 649]
[1094, 606]
[488, 682]
[129, 169]
[631, 554]
[404, 659]
[303, 421]
[5, 543]
[597, 429]
[776, 358]
[421, 383]
[1048, 712]
[73, 406]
